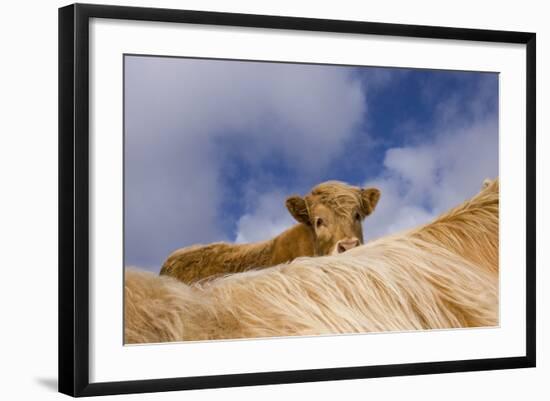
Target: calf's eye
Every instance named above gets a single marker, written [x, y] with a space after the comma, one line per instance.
[319, 222]
[357, 216]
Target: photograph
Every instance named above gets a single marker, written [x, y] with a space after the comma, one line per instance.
[249, 199]
[278, 199]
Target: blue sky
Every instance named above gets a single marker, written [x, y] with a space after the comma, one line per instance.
[212, 147]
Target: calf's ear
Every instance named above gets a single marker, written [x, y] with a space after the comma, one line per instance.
[298, 209]
[369, 200]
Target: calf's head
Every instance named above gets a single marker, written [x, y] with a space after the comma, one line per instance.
[334, 212]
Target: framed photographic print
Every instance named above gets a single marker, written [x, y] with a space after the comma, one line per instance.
[251, 199]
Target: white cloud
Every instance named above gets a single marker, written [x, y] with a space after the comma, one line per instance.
[395, 211]
[269, 217]
[420, 182]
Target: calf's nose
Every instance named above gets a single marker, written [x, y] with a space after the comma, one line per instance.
[346, 244]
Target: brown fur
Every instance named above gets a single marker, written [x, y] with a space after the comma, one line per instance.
[420, 279]
[329, 216]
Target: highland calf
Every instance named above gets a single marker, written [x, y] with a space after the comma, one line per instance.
[329, 222]
[441, 275]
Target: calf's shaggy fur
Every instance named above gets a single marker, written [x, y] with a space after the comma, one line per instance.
[441, 275]
[329, 221]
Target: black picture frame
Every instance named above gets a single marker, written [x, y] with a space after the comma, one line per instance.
[74, 198]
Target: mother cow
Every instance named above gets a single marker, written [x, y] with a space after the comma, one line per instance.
[329, 222]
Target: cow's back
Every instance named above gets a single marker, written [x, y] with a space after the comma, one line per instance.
[197, 262]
